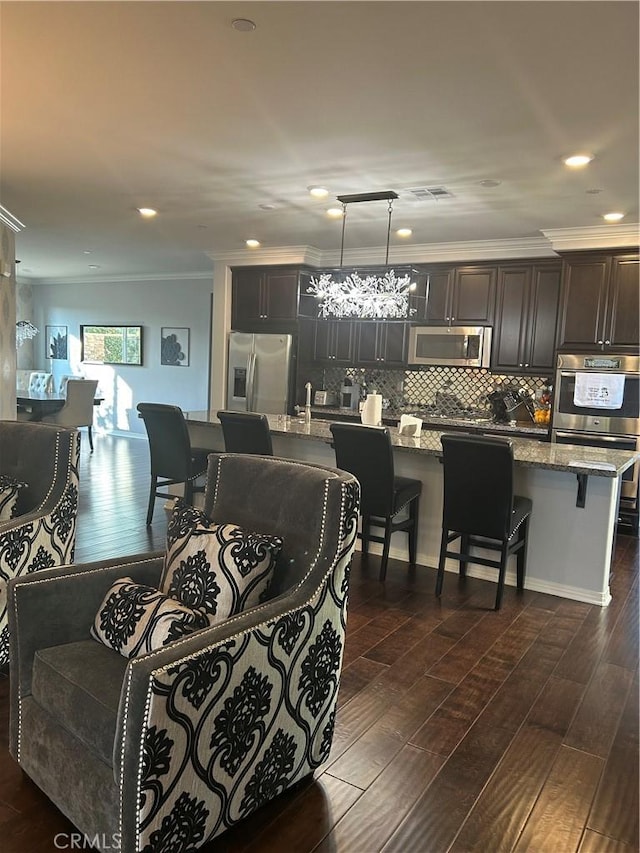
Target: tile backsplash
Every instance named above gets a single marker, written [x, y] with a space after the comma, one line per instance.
[427, 386]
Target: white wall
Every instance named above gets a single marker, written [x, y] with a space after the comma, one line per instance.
[151, 304]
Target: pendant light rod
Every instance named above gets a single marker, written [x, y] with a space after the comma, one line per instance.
[355, 198]
[386, 195]
[386, 257]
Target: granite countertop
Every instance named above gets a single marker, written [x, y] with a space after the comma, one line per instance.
[436, 422]
[600, 462]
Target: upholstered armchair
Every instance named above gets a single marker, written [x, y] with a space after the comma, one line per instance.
[42, 531]
[167, 750]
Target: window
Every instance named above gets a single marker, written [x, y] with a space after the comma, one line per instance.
[111, 344]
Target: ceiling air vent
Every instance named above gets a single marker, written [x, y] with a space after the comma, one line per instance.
[430, 193]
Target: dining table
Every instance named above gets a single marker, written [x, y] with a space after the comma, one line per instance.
[40, 404]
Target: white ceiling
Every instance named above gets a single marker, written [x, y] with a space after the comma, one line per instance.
[107, 106]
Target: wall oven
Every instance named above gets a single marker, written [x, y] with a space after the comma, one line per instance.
[455, 346]
[597, 404]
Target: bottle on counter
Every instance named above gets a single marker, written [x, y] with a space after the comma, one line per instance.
[363, 395]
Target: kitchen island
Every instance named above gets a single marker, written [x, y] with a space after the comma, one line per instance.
[574, 492]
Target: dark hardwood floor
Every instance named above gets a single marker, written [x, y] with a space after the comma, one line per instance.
[459, 729]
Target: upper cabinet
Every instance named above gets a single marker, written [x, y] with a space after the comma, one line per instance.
[381, 342]
[265, 296]
[334, 341]
[460, 296]
[600, 302]
[527, 303]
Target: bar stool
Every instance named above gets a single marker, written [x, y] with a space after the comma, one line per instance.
[246, 432]
[366, 452]
[173, 460]
[480, 508]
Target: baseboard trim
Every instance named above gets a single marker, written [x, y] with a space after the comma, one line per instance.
[573, 593]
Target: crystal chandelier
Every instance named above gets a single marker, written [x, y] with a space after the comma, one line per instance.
[372, 296]
[25, 331]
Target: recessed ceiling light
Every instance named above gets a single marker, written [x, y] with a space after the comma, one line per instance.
[94, 266]
[334, 212]
[252, 243]
[318, 192]
[86, 252]
[577, 161]
[243, 25]
[267, 206]
[147, 212]
[613, 217]
[489, 182]
[404, 232]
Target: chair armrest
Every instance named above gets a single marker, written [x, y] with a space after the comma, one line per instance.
[59, 605]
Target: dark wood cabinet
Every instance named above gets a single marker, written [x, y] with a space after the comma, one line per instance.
[600, 307]
[263, 296]
[439, 285]
[526, 315]
[381, 342]
[624, 302]
[461, 296]
[334, 341]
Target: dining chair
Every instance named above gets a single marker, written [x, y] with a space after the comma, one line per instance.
[480, 507]
[40, 382]
[173, 460]
[367, 453]
[22, 379]
[77, 409]
[246, 432]
[62, 382]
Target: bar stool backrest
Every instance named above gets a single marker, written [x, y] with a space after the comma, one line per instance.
[366, 452]
[169, 441]
[478, 484]
[246, 432]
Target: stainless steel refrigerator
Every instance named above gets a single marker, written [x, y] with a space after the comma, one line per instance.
[260, 373]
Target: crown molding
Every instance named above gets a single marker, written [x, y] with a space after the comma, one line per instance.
[141, 278]
[273, 255]
[7, 218]
[478, 250]
[470, 250]
[548, 245]
[594, 237]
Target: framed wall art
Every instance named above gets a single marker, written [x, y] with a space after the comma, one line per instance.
[174, 346]
[57, 338]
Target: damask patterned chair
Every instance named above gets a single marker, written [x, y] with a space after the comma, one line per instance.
[42, 531]
[169, 749]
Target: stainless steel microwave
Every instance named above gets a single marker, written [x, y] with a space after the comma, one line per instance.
[456, 346]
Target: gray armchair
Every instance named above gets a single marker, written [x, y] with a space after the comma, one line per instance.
[169, 749]
[43, 532]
